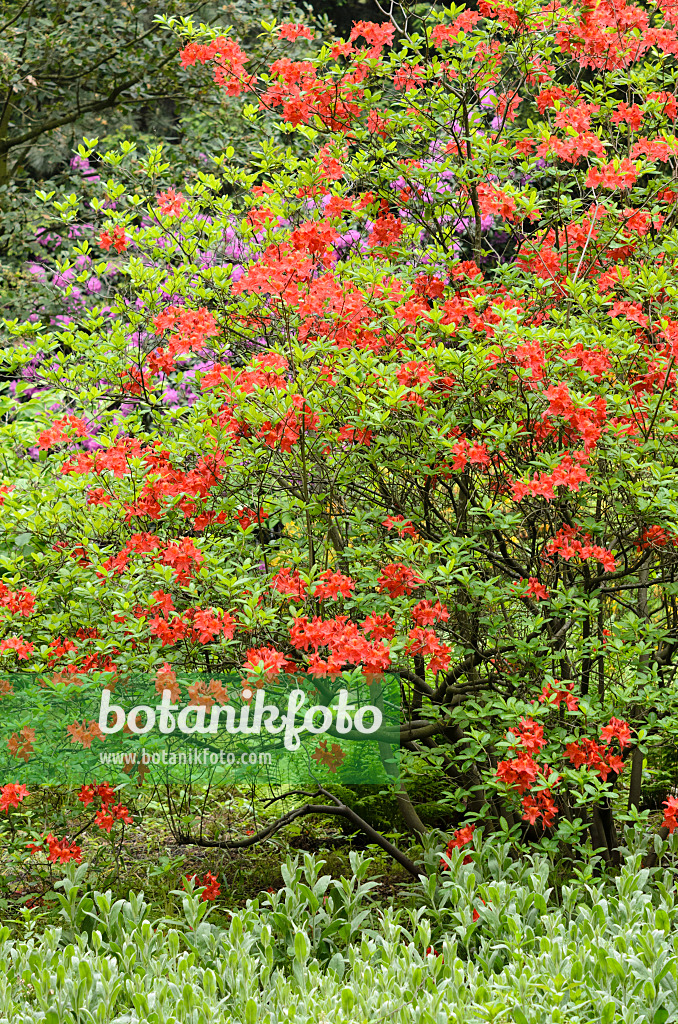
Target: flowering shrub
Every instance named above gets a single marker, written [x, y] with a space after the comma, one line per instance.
[401, 400]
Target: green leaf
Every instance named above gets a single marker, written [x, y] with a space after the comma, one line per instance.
[607, 1016]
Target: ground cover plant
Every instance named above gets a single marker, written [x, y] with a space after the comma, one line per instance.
[394, 400]
[488, 942]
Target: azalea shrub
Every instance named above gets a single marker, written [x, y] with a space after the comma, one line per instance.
[397, 399]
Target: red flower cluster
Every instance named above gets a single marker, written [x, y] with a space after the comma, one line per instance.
[289, 583]
[670, 814]
[587, 751]
[617, 174]
[399, 523]
[290, 30]
[170, 202]
[12, 795]
[229, 63]
[265, 662]
[210, 883]
[585, 420]
[461, 838]
[116, 238]
[17, 602]
[181, 554]
[397, 579]
[287, 431]
[464, 452]
[535, 589]
[58, 850]
[656, 537]
[199, 625]
[377, 34]
[568, 474]
[425, 614]
[567, 546]
[22, 648]
[522, 772]
[557, 696]
[333, 585]
[617, 729]
[58, 433]
[109, 813]
[354, 435]
[191, 328]
[246, 516]
[425, 642]
[85, 733]
[345, 643]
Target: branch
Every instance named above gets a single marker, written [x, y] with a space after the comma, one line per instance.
[114, 54]
[338, 809]
[57, 122]
[16, 17]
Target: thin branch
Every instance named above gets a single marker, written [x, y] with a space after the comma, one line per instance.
[337, 809]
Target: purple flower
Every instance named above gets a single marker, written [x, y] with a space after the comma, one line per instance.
[60, 280]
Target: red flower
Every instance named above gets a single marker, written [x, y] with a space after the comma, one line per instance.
[398, 579]
[57, 850]
[556, 697]
[117, 238]
[617, 174]
[21, 647]
[333, 585]
[289, 583]
[105, 793]
[170, 202]
[671, 814]
[291, 31]
[400, 524]
[425, 614]
[121, 813]
[104, 819]
[531, 735]
[380, 626]
[264, 660]
[86, 795]
[210, 884]
[616, 727]
[540, 806]
[460, 838]
[378, 35]
[537, 590]
[247, 516]
[12, 795]
[520, 772]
